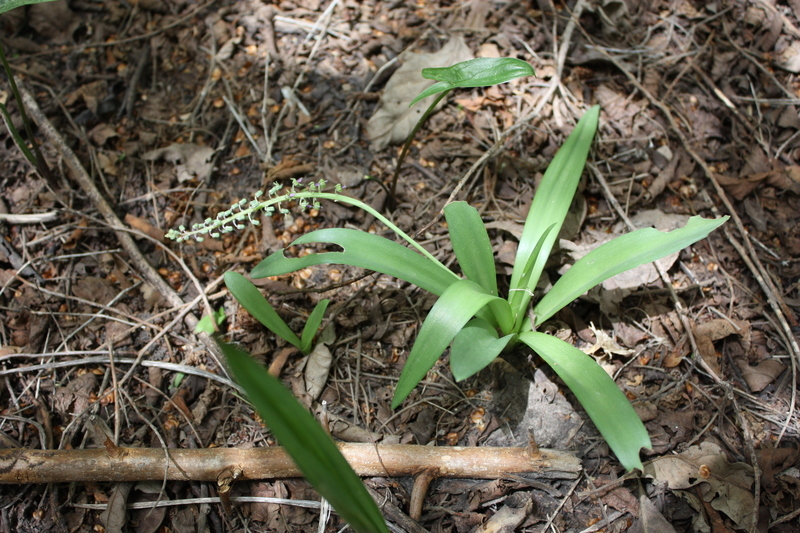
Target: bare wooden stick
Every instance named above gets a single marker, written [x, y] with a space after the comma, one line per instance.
[116, 464]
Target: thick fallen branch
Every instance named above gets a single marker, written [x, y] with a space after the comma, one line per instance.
[215, 464]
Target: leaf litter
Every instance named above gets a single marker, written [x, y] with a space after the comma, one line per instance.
[742, 121]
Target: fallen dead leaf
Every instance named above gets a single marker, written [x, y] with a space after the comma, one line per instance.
[726, 486]
[760, 375]
[191, 160]
[650, 519]
[317, 369]
[786, 178]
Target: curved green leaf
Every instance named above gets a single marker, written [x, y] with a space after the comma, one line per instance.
[366, 251]
[471, 245]
[618, 255]
[309, 446]
[312, 325]
[553, 198]
[606, 405]
[251, 299]
[480, 72]
[475, 347]
[457, 305]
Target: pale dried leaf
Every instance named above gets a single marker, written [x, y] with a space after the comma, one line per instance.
[317, 368]
[760, 375]
[114, 518]
[726, 486]
[650, 519]
[191, 161]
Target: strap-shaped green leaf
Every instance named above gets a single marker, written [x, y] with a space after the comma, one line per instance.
[251, 299]
[312, 325]
[457, 305]
[521, 298]
[606, 405]
[311, 448]
[471, 245]
[618, 255]
[553, 198]
[480, 72]
[363, 250]
[8, 5]
[475, 347]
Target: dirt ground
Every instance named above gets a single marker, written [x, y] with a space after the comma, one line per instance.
[167, 106]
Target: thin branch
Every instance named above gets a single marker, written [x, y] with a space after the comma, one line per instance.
[118, 464]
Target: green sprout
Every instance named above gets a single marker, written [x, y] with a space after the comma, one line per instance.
[480, 72]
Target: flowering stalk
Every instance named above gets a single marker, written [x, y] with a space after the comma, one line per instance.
[306, 196]
[231, 219]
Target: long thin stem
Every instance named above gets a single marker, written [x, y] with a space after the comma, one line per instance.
[41, 165]
[407, 145]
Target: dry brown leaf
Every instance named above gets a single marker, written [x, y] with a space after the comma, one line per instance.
[726, 486]
[114, 518]
[760, 375]
[509, 517]
[191, 160]
[317, 368]
[95, 289]
[393, 121]
[786, 178]
[75, 397]
[650, 519]
[145, 227]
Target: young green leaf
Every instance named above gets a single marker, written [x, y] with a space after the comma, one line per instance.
[312, 325]
[606, 405]
[251, 299]
[309, 446]
[553, 198]
[618, 255]
[471, 245]
[363, 250]
[457, 305]
[475, 347]
[480, 72]
[209, 323]
[520, 298]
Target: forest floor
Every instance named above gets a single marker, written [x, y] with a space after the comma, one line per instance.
[168, 109]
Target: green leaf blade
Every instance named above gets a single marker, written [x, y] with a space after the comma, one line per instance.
[553, 198]
[309, 446]
[618, 255]
[480, 72]
[362, 250]
[312, 325]
[457, 305]
[254, 302]
[8, 5]
[471, 245]
[606, 405]
[475, 347]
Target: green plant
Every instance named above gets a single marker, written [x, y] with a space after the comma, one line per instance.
[35, 157]
[479, 323]
[480, 72]
[251, 299]
[306, 442]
